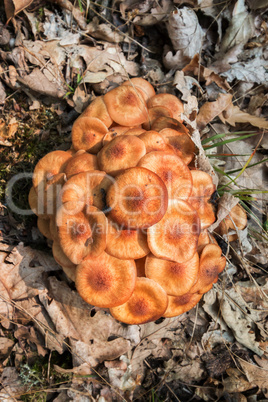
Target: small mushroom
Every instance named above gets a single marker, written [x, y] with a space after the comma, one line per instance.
[175, 236]
[81, 162]
[37, 205]
[114, 132]
[176, 279]
[235, 220]
[168, 122]
[44, 227]
[126, 106]
[87, 134]
[180, 304]
[126, 243]
[137, 199]
[105, 281]
[212, 263]
[172, 170]
[171, 102]
[154, 113]
[154, 141]
[81, 234]
[97, 108]
[181, 144]
[120, 154]
[144, 86]
[135, 131]
[205, 238]
[60, 257]
[147, 303]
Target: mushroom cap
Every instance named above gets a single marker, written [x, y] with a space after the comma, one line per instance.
[181, 144]
[50, 165]
[135, 131]
[205, 238]
[60, 257]
[97, 108]
[212, 263]
[81, 234]
[154, 141]
[81, 162]
[44, 227]
[180, 304]
[154, 113]
[144, 86]
[236, 219]
[168, 122]
[53, 228]
[87, 188]
[114, 132]
[140, 266]
[147, 303]
[205, 212]
[176, 279]
[87, 134]
[69, 272]
[137, 199]
[175, 236]
[105, 281]
[126, 243]
[121, 153]
[169, 101]
[126, 106]
[172, 170]
[37, 205]
[48, 194]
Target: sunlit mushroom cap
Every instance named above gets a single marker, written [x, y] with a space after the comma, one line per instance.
[48, 195]
[60, 257]
[235, 220]
[169, 101]
[175, 236]
[147, 303]
[154, 141]
[81, 162]
[50, 165]
[154, 113]
[144, 86]
[114, 132]
[212, 263]
[168, 122]
[97, 108]
[137, 199]
[105, 281]
[44, 227]
[126, 243]
[180, 304]
[181, 143]
[81, 234]
[121, 153]
[126, 106]
[172, 170]
[87, 134]
[37, 205]
[87, 188]
[205, 238]
[176, 279]
[135, 131]
[69, 272]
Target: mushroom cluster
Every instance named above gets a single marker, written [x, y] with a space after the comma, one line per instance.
[126, 208]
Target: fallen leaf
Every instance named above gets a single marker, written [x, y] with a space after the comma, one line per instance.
[232, 115]
[210, 110]
[235, 382]
[184, 84]
[13, 7]
[226, 203]
[186, 36]
[2, 94]
[257, 376]
[6, 346]
[38, 82]
[251, 71]
[12, 385]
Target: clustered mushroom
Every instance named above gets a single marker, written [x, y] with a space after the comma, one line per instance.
[126, 208]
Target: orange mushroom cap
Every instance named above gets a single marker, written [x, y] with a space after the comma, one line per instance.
[126, 243]
[212, 263]
[154, 141]
[60, 257]
[181, 143]
[144, 86]
[135, 131]
[168, 122]
[176, 279]
[172, 170]
[114, 132]
[205, 238]
[236, 219]
[50, 165]
[175, 236]
[169, 101]
[121, 153]
[147, 303]
[44, 227]
[154, 113]
[105, 281]
[97, 108]
[37, 205]
[180, 304]
[87, 134]
[48, 195]
[126, 106]
[81, 234]
[81, 162]
[137, 199]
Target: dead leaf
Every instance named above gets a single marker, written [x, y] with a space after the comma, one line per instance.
[6, 346]
[232, 115]
[184, 84]
[186, 36]
[257, 376]
[210, 110]
[75, 12]
[38, 82]
[148, 14]
[236, 382]
[13, 7]
[226, 203]
[241, 27]
[2, 94]
[104, 32]
[254, 70]
[80, 98]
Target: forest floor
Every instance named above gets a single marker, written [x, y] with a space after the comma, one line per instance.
[55, 58]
